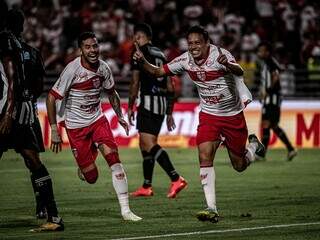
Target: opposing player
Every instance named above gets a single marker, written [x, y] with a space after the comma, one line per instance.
[214, 71]
[271, 98]
[156, 100]
[20, 128]
[80, 85]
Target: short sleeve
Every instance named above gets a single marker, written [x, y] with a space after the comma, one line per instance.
[62, 85]
[229, 56]
[177, 65]
[108, 80]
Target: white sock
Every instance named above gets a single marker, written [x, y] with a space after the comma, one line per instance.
[120, 184]
[251, 149]
[208, 182]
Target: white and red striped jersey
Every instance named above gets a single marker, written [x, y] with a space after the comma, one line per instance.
[220, 93]
[80, 89]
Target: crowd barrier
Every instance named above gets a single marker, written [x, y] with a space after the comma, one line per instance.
[299, 119]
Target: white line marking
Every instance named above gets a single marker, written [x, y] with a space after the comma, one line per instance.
[220, 231]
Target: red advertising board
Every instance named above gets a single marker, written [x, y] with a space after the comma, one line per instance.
[300, 120]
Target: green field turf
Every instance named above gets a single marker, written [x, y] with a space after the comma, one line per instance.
[273, 192]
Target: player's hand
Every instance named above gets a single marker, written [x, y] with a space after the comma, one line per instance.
[5, 124]
[125, 125]
[56, 142]
[170, 123]
[222, 58]
[131, 117]
[138, 55]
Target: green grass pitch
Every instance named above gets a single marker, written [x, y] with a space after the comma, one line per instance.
[273, 192]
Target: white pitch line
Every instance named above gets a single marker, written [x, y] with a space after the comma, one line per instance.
[220, 231]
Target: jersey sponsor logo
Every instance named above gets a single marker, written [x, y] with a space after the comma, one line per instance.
[212, 99]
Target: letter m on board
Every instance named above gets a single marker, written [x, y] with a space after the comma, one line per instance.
[308, 132]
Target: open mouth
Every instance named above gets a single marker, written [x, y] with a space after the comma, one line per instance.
[93, 57]
[195, 52]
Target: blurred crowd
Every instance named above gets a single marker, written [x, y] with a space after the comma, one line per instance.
[293, 26]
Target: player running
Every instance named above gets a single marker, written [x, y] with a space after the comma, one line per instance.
[80, 86]
[215, 72]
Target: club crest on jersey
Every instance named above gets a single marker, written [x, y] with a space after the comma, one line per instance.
[83, 75]
[209, 62]
[96, 82]
[201, 75]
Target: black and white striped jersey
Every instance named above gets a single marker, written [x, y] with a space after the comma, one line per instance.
[153, 90]
[273, 91]
[22, 56]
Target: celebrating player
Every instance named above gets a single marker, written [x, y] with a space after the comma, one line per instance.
[214, 71]
[80, 85]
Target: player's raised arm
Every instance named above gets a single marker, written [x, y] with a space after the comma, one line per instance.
[152, 69]
[233, 67]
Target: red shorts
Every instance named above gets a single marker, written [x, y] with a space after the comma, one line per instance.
[84, 141]
[232, 128]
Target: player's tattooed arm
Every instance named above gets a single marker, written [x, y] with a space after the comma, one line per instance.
[114, 100]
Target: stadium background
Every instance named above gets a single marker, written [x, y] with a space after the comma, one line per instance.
[272, 200]
[293, 27]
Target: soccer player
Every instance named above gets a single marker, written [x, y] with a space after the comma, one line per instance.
[20, 128]
[156, 101]
[214, 71]
[271, 98]
[80, 85]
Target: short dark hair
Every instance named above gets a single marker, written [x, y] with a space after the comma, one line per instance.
[200, 30]
[84, 36]
[143, 27]
[267, 45]
[15, 21]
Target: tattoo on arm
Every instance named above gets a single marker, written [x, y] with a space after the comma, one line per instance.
[114, 100]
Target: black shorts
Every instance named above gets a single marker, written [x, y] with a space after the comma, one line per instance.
[271, 113]
[149, 122]
[23, 137]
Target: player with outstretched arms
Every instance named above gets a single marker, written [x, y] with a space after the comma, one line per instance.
[222, 100]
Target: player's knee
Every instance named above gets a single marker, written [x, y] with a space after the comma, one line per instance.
[112, 158]
[91, 176]
[147, 144]
[31, 160]
[204, 156]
